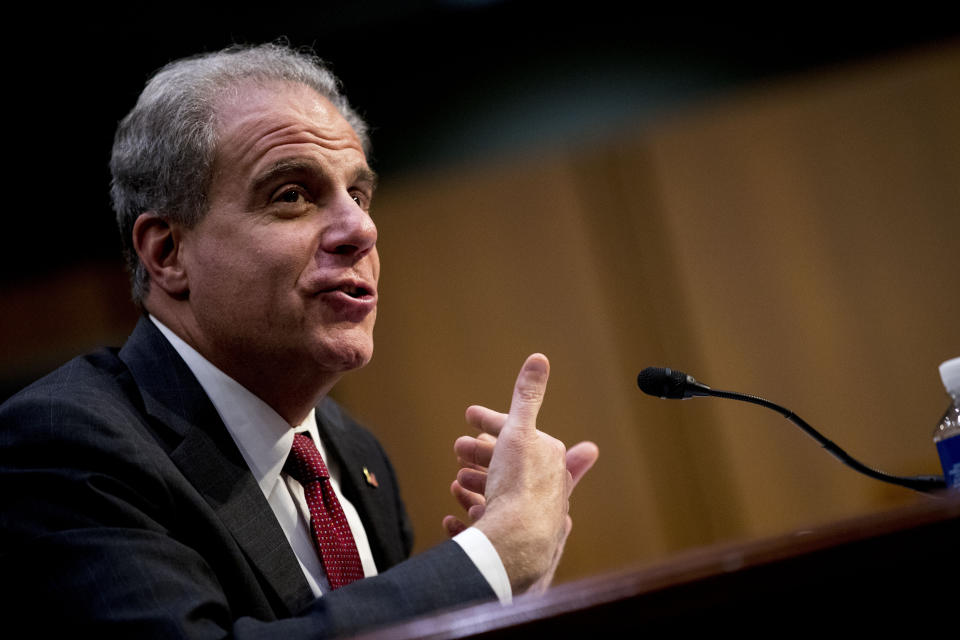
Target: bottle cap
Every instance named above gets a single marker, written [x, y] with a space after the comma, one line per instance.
[950, 374]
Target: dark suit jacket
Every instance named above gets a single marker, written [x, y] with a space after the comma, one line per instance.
[128, 510]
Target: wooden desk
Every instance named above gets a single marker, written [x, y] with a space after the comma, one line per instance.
[863, 573]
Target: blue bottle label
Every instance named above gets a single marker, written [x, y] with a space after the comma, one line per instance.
[949, 451]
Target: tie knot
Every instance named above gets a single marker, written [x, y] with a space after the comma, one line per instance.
[304, 462]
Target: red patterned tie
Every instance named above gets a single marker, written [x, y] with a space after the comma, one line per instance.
[331, 533]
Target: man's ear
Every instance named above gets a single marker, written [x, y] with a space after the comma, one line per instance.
[158, 243]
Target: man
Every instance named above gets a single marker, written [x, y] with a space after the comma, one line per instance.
[164, 490]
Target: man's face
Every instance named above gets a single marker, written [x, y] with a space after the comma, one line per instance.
[283, 268]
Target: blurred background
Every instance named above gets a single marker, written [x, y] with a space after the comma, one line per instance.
[771, 203]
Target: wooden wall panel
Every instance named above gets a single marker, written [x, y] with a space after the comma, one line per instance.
[815, 229]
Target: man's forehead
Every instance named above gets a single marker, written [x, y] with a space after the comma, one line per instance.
[249, 100]
[256, 119]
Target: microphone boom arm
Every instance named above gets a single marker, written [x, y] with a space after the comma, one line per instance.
[669, 383]
[924, 484]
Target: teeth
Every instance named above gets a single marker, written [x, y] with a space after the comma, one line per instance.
[353, 292]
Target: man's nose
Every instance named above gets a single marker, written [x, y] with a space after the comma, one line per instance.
[350, 230]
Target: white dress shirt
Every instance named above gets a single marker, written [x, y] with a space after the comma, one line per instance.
[264, 439]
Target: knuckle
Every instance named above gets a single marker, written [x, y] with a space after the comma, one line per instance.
[530, 394]
[557, 445]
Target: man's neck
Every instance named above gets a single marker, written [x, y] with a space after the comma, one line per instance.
[290, 393]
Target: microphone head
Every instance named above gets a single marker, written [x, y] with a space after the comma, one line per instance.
[662, 382]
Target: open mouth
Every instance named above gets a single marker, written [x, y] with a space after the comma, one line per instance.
[355, 291]
[349, 300]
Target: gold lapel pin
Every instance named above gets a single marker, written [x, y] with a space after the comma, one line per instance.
[371, 478]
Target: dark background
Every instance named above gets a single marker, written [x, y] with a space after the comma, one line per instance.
[440, 82]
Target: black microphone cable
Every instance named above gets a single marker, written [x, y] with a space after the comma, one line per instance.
[669, 383]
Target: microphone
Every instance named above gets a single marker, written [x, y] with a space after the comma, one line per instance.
[668, 383]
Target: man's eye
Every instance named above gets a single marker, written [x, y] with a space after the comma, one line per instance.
[290, 195]
[361, 199]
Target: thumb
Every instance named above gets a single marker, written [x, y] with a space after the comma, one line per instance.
[528, 392]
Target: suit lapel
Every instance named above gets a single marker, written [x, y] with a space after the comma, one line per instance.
[210, 460]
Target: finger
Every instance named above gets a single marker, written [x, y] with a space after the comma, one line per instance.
[486, 437]
[528, 392]
[466, 497]
[473, 452]
[476, 512]
[453, 525]
[472, 480]
[485, 420]
[469, 465]
[580, 457]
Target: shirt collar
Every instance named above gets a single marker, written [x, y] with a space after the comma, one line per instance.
[262, 435]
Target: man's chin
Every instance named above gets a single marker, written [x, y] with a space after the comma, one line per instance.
[345, 356]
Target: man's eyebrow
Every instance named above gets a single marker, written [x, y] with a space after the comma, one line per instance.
[367, 175]
[281, 169]
[287, 166]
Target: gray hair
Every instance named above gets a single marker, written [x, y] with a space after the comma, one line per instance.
[164, 148]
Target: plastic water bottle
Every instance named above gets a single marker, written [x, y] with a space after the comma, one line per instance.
[947, 434]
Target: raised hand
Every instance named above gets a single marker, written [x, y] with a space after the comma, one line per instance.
[516, 481]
